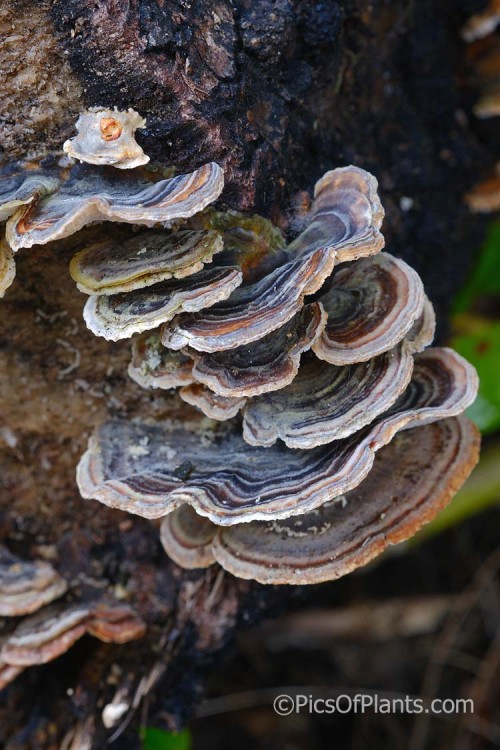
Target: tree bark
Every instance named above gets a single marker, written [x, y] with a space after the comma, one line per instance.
[277, 92]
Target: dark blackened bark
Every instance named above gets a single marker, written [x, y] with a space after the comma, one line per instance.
[278, 91]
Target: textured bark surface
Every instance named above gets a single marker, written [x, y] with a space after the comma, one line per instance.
[40, 95]
[276, 91]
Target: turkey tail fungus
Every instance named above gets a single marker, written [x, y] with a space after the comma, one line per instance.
[241, 388]
[308, 340]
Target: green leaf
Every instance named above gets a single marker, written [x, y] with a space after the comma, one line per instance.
[485, 279]
[479, 342]
[158, 739]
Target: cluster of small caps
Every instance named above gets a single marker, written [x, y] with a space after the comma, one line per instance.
[46, 632]
[52, 631]
[484, 63]
[48, 200]
[53, 198]
[308, 357]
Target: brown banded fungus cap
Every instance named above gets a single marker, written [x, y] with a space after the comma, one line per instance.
[92, 194]
[371, 306]
[110, 266]
[488, 105]
[150, 470]
[326, 402]
[26, 586]
[484, 63]
[268, 364]
[344, 224]
[118, 316]
[106, 137]
[51, 632]
[188, 538]
[411, 481]
[421, 334]
[23, 183]
[113, 622]
[347, 211]
[45, 635]
[484, 198]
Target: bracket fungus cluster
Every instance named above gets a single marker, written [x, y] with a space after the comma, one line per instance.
[49, 633]
[29, 589]
[329, 427]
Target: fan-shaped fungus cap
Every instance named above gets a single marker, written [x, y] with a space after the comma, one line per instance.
[371, 306]
[22, 183]
[113, 622]
[111, 266]
[106, 137]
[443, 385]
[45, 635]
[188, 538]
[151, 470]
[345, 220]
[265, 365]
[7, 267]
[254, 310]
[483, 23]
[51, 632]
[325, 403]
[411, 481]
[153, 366]
[421, 334]
[91, 195]
[118, 316]
[211, 404]
[26, 586]
[347, 213]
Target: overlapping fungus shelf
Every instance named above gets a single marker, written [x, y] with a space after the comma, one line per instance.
[91, 194]
[344, 224]
[110, 266]
[412, 479]
[150, 470]
[325, 425]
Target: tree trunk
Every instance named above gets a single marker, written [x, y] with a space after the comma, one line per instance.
[277, 92]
